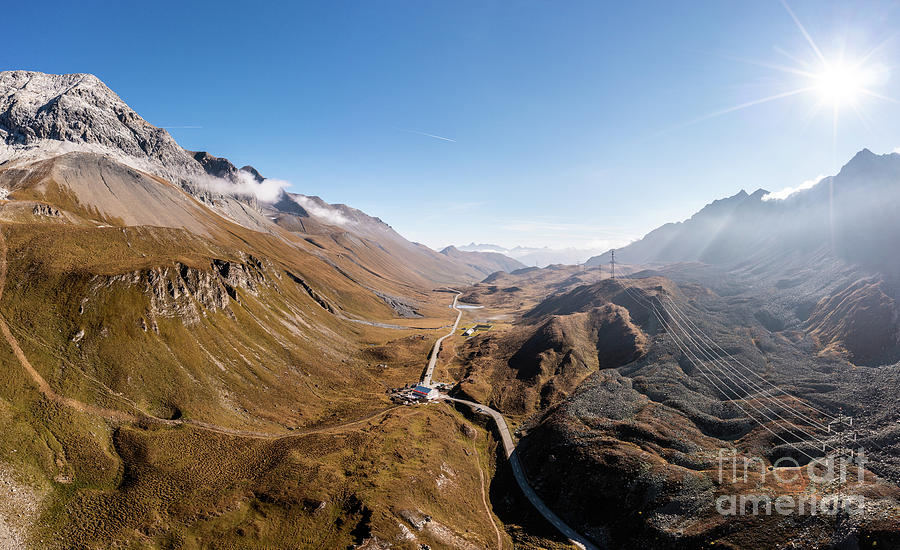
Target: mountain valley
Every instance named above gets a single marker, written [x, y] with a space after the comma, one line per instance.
[195, 357]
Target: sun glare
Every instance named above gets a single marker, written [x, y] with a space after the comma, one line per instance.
[840, 83]
[843, 80]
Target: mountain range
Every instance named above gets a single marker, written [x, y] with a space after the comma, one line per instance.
[79, 129]
[838, 214]
[756, 328]
[844, 224]
[485, 262]
[535, 256]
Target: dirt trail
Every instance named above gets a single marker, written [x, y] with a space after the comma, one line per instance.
[512, 455]
[487, 509]
[123, 417]
[42, 384]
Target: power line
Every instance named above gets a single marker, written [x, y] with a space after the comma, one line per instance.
[718, 362]
[844, 422]
[697, 363]
[714, 343]
[844, 436]
[733, 400]
[701, 336]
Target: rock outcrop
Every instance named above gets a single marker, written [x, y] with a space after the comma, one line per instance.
[187, 293]
[45, 210]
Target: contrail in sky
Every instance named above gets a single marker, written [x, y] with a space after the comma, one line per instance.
[428, 135]
[179, 127]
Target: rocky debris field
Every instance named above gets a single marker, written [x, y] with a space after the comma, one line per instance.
[19, 507]
[631, 454]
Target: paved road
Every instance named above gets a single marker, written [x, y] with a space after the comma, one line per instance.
[510, 450]
[426, 380]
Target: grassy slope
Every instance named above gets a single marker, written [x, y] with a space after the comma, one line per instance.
[133, 487]
[272, 362]
[267, 363]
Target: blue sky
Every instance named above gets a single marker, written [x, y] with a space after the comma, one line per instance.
[572, 124]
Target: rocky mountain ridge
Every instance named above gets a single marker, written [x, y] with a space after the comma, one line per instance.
[848, 213]
[45, 118]
[43, 114]
[182, 336]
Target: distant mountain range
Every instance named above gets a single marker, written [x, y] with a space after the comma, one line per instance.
[484, 261]
[830, 248]
[535, 256]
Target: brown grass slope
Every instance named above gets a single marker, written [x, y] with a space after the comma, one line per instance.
[551, 348]
[369, 242]
[127, 295]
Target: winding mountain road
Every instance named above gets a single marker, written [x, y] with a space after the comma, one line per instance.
[508, 446]
[510, 449]
[120, 416]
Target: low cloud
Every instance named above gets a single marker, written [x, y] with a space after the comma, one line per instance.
[788, 191]
[270, 191]
[322, 211]
[245, 185]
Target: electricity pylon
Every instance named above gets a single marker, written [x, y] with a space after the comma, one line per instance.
[612, 264]
[840, 426]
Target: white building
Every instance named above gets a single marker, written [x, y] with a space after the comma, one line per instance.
[425, 392]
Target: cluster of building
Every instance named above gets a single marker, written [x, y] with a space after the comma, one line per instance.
[417, 393]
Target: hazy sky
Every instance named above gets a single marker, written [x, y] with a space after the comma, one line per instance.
[529, 123]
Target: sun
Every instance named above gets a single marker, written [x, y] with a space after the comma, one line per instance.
[841, 83]
[842, 80]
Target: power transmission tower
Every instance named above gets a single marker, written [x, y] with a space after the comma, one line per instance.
[840, 425]
[612, 264]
